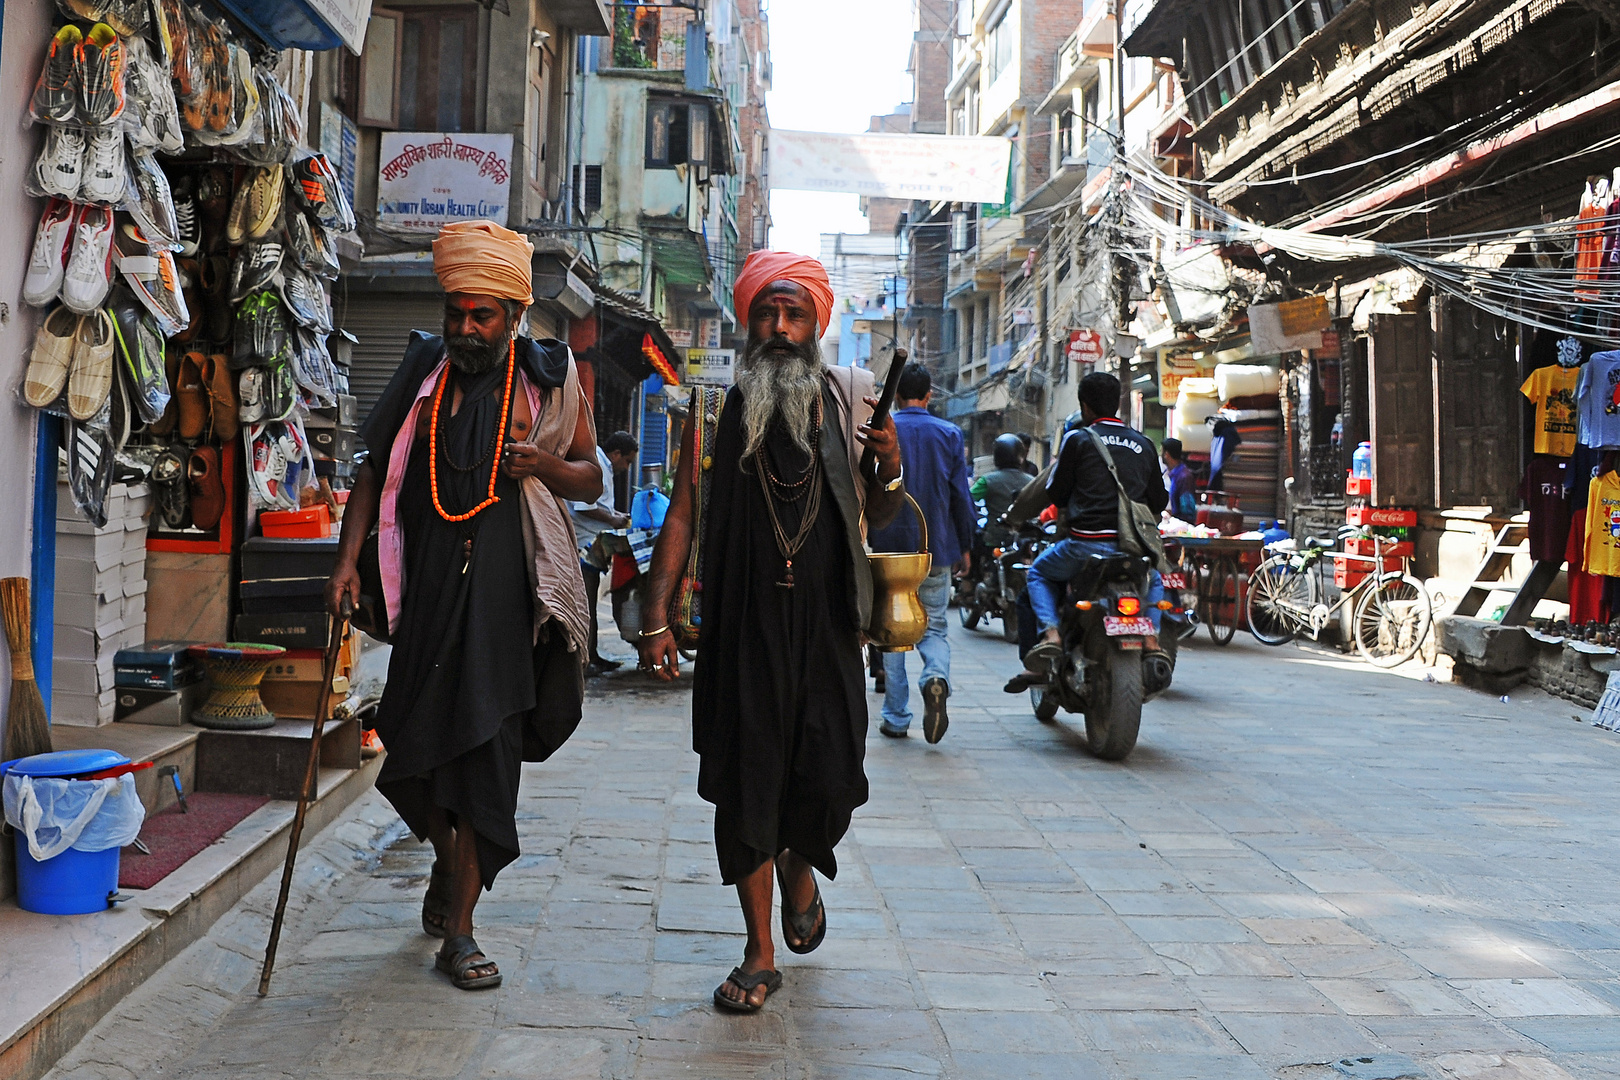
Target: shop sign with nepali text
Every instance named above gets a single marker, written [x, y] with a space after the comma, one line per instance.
[710, 367]
[428, 179]
[1085, 346]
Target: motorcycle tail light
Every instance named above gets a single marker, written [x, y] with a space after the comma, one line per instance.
[996, 553]
[1129, 605]
[1165, 605]
[1082, 605]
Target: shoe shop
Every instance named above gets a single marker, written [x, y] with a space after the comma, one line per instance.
[180, 391]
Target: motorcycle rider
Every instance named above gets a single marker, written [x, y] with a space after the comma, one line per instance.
[998, 489]
[1081, 483]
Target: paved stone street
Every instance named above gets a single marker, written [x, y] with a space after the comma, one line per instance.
[1305, 862]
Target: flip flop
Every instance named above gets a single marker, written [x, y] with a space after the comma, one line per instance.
[434, 904]
[456, 959]
[1050, 651]
[771, 980]
[1023, 681]
[810, 926]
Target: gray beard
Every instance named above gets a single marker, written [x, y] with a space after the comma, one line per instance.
[472, 355]
[776, 384]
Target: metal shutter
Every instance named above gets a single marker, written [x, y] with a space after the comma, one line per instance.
[381, 324]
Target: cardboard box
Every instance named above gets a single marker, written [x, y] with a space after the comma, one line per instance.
[295, 699]
[293, 630]
[85, 677]
[272, 596]
[86, 577]
[310, 522]
[288, 557]
[157, 665]
[297, 665]
[82, 710]
[333, 444]
[79, 609]
[166, 708]
[105, 548]
[1381, 515]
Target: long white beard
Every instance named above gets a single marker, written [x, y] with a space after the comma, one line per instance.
[777, 385]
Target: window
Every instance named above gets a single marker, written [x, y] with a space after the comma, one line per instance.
[538, 123]
[677, 134]
[998, 52]
[588, 189]
[371, 88]
[1063, 136]
[419, 71]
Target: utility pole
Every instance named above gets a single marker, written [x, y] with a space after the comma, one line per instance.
[1117, 282]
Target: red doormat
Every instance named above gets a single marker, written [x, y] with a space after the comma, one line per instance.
[174, 837]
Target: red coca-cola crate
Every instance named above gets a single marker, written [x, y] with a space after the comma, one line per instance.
[1366, 545]
[1348, 572]
[1358, 485]
[1381, 515]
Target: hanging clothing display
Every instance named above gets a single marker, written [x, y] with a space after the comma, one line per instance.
[1552, 391]
[1585, 590]
[1545, 493]
[1223, 447]
[1603, 526]
[1597, 400]
[1589, 228]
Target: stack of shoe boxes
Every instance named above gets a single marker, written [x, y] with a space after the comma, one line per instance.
[100, 602]
[332, 438]
[283, 603]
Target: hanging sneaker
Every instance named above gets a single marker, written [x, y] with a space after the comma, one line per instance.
[90, 375]
[48, 262]
[217, 78]
[89, 270]
[320, 190]
[100, 60]
[56, 95]
[185, 216]
[128, 17]
[179, 43]
[266, 467]
[250, 395]
[261, 330]
[264, 202]
[306, 300]
[140, 346]
[147, 86]
[60, 168]
[89, 469]
[106, 173]
[169, 488]
[156, 282]
[150, 202]
[254, 268]
[309, 245]
[52, 356]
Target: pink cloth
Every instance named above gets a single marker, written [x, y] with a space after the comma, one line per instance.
[548, 529]
[764, 267]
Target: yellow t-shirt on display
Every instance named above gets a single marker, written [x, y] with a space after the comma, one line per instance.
[1603, 526]
[1552, 390]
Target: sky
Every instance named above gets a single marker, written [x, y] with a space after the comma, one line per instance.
[835, 64]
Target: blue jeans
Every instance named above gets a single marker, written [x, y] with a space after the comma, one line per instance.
[1052, 570]
[935, 649]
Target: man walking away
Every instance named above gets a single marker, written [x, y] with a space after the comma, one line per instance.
[936, 476]
[1024, 463]
[615, 456]
[778, 701]
[1179, 479]
[1082, 483]
[476, 444]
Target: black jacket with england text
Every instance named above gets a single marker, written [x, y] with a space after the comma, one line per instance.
[1081, 482]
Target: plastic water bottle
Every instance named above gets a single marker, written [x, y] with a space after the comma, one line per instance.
[1361, 462]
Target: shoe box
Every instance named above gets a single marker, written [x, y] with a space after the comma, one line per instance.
[157, 665]
[286, 576]
[291, 630]
[164, 708]
[331, 431]
[292, 685]
[99, 602]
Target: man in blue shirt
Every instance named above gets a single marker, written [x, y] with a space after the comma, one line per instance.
[936, 476]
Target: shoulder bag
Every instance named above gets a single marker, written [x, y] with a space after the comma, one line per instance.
[1138, 526]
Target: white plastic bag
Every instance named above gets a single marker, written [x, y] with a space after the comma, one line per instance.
[53, 814]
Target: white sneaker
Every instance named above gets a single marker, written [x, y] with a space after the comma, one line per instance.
[89, 270]
[106, 176]
[49, 260]
[60, 168]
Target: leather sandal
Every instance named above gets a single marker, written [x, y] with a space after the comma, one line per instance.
[809, 926]
[771, 980]
[435, 904]
[456, 960]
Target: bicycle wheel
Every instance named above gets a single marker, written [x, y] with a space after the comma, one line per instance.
[1280, 596]
[1392, 620]
[1223, 604]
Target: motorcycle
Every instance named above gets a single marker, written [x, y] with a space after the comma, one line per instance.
[992, 589]
[1104, 671]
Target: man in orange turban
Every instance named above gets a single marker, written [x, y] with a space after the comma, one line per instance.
[482, 434]
[779, 696]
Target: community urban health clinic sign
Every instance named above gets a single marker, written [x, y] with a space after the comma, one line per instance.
[427, 179]
[962, 168]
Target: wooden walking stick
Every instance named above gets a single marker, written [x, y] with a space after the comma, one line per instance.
[334, 645]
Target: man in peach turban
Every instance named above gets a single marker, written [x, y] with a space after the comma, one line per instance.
[479, 440]
[779, 696]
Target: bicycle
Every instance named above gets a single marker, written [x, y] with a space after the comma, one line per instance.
[1391, 611]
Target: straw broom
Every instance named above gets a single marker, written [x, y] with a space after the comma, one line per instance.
[28, 731]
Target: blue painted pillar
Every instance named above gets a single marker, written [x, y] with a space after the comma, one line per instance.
[42, 568]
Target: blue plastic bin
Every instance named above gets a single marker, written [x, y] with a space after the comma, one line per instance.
[74, 882]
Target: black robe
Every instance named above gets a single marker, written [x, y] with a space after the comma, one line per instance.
[468, 698]
[778, 697]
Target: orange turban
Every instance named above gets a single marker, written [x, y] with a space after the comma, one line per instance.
[765, 267]
[481, 257]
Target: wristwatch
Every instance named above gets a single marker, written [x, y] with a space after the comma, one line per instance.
[898, 482]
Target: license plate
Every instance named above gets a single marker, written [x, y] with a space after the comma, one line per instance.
[1117, 626]
[1174, 580]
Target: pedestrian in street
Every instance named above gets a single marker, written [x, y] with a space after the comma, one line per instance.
[1178, 478]
[615, 456]
[1024, 463]
[477, 444]
[778, 699]
[937, 478]
[1083, 485]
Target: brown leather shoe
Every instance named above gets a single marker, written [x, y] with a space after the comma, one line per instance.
[223, 404]
[191, 394]
[206, 486]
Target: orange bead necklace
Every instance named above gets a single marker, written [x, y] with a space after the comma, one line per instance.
[500, 433]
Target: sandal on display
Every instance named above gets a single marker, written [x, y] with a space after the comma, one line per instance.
[206, 487]
[459, 958]
[748, 983]
[52, 355]
[91, 374]
[169, 488]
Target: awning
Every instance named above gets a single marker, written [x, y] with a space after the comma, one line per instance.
[316, 25]
[1056, 189]
[660, 362]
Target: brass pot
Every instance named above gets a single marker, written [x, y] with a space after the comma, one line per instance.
[898, 619]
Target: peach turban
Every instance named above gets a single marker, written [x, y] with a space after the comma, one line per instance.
[765, 267]
[481, 257]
